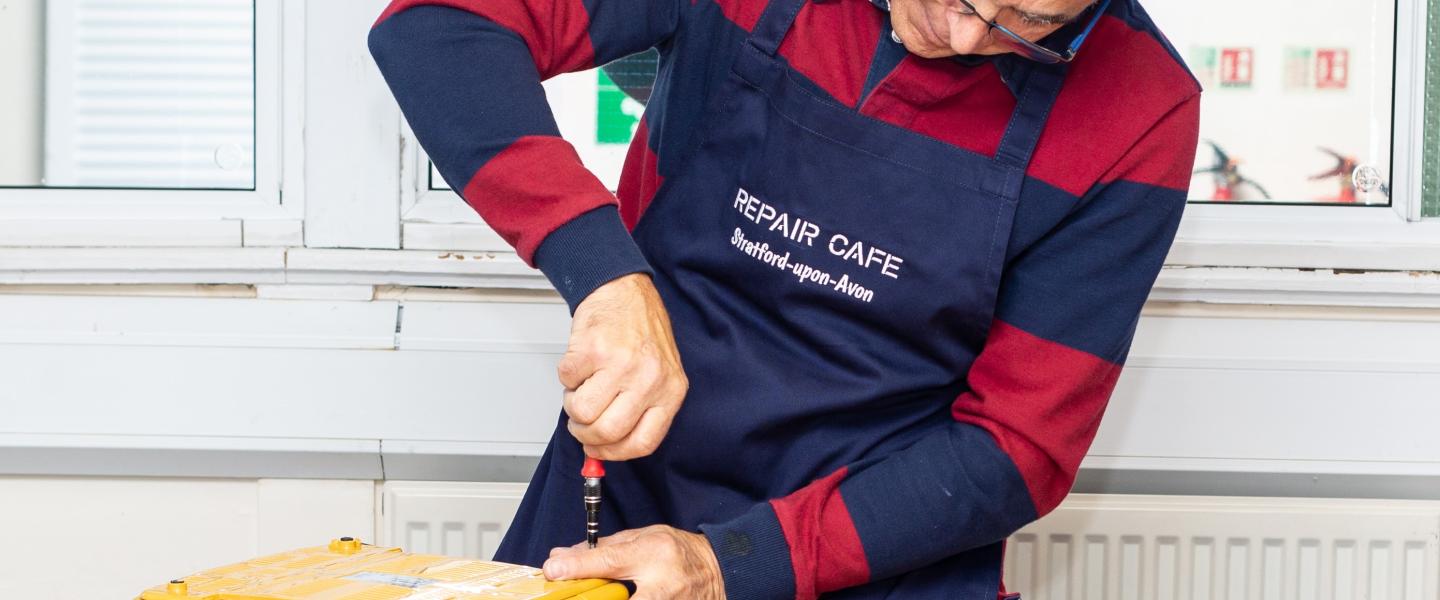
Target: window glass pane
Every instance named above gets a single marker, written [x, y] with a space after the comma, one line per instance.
[128, 94]
[1298, 100]
[1297, 109]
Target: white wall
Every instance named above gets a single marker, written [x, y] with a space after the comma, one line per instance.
[309, 365]
[22, 61]
[433, 376]
[75, 539]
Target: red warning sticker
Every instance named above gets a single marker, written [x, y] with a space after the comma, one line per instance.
[1237, 67]
[1332, 68]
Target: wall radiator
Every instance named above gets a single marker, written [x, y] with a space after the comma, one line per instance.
[1094, 547]
[1097, 547]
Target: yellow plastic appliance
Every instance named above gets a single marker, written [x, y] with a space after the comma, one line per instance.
[349, 570]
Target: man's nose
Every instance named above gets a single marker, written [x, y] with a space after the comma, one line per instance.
[968, 34]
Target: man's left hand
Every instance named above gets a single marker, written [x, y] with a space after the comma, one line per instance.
[664, 563]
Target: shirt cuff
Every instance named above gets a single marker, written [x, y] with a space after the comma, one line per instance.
[588, 252]
[753, 555]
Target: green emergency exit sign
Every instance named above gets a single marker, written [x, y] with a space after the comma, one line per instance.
[616, 114]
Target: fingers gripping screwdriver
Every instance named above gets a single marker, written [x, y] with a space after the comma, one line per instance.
[592, 472]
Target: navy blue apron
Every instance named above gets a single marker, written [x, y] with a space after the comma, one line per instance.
[830, 278]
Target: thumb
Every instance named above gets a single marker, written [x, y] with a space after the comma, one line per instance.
[606, 562]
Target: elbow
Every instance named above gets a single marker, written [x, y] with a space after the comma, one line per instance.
[392, 39]
[382, 42]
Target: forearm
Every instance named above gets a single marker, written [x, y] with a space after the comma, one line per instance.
[952, 491]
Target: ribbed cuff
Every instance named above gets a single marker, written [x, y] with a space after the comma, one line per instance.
[588, 252]
[754, 557]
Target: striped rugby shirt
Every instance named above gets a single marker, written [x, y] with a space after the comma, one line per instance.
[1102, 201]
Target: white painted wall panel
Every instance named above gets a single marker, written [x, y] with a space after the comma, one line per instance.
[294, 393]
[84, 539]
[542, 329]
[1343, 386]
[1208, 389]
[294, 513]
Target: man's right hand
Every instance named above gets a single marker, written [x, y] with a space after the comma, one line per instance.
[622, 375]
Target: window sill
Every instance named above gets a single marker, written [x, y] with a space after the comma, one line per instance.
[1313, 237]
[1298, 287]
[1419, 288]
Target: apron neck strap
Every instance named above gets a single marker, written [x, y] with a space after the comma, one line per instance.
[1032, 109]
[1037, 95]
[770, 30]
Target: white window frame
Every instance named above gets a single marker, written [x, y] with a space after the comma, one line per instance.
[373, 219]
[118, 217]
[1223, 252]
[439, 220]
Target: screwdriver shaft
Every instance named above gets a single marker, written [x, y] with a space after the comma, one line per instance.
[592, 510]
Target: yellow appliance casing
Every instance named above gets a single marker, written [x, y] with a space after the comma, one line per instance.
[349, 570]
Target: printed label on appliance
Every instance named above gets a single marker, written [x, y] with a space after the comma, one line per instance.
[405, 581]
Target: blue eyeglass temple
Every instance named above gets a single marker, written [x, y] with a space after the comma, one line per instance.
[1080, 39]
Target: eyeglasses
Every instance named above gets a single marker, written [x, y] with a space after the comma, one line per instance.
[1032, 50]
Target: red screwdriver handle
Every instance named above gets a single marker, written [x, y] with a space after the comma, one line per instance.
[593, 468]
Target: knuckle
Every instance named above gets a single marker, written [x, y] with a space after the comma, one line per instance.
[642, 446]
[582, 411]
[651, 437]
[666, 543]
[605, 453]
[677, 386]
[582, 434]
[569, 365]
[601, 355]
[606, 433]
[628, 361]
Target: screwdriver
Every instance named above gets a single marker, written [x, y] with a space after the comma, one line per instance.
[592, 472]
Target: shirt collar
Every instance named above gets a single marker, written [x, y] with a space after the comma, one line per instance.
[1010, 71]
[1013, 68]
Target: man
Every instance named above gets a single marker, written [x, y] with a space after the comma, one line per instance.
[902, 248]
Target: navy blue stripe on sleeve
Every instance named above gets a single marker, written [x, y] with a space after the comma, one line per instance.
[468, 86]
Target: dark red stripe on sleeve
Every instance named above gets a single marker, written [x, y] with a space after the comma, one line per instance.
[970, 107]
[531, 188]
[1121, 85]
[825, 549]
[1042, 402]
[557, 31]
[1165, 157]
[640, 178]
